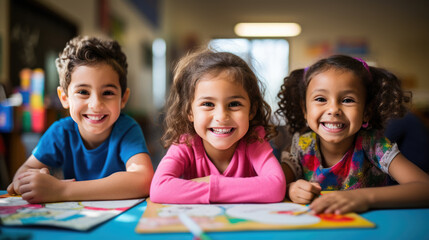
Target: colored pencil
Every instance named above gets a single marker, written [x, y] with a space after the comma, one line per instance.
[193, 227]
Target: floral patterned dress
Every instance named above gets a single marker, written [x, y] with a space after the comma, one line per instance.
[366, 164]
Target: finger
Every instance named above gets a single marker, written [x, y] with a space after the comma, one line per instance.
[10, 189]
[44, 170]
[26, 174]
[34, 170]
[305, 195]
[69, 180]
[301, 200]
[315, 188]
[320, 205]
[15, 186]
[28, 196]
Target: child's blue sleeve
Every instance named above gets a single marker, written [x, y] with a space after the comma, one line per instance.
[132, 140]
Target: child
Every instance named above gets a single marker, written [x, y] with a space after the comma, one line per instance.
[346, 103]
[101, 152]
[217, 126]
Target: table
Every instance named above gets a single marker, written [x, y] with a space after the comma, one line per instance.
[390, 224]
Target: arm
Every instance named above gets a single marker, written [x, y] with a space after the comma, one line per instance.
[300, 191]
[269, 184]
[167, 184]
[29, 165]
[168, 187]
[132, 183]
[412, 191]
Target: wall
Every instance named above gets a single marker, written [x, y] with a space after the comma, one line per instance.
[396, 31]
[4, 26]
[136, 34]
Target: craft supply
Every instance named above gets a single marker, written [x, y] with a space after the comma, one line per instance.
[301, 212]
[193, 227]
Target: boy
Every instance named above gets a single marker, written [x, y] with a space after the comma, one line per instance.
[102, 153]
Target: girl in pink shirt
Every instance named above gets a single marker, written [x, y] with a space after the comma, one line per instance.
[217, 127]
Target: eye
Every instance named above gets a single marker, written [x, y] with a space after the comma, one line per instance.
[107, 93]
[82, 92]
[235, 104]
[320, 99]
[207, 104]
[349, 100]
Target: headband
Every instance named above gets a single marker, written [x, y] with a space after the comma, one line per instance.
[365, 65]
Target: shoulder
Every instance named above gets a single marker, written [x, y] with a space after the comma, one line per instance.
[62, 125]
[305, 141]
[373, 138]
[125, 120]
[124, 124]
[188, 147]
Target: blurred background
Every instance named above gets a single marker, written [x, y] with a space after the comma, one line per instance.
[154, 34]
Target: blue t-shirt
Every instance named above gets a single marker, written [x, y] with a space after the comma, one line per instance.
[62, 147]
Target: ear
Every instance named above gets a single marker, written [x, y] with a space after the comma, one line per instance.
[252, 113]
[366, 114]
[62, 95]
[191, 117]
[125, 98]
[304, 110]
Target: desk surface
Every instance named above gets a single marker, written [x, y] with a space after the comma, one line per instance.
[390, 224]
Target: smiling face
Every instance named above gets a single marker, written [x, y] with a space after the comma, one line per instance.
[95, 101]
[220, 112]
[335, 105]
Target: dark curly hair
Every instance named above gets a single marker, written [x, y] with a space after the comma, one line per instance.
[384, 97]
[90, 51]
[189, 70]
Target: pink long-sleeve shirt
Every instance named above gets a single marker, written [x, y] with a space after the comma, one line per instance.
[253, 175]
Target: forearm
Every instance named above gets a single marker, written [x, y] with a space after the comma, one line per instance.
[259, 189]
[415, 194]
[168, 189]
[120, 185]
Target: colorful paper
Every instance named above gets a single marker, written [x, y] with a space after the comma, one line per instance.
[81, 215]
[159, 218]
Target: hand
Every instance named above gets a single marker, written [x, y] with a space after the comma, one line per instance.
[13, 188]
[340, 202]
[37, 186]
[303, 192]
[205, 179]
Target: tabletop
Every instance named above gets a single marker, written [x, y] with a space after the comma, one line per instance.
[390, 224]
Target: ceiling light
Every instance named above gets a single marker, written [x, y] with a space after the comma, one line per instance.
[267, 29]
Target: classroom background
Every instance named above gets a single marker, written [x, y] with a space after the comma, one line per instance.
[154, 34]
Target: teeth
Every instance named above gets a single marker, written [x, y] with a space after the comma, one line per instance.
[221, 130]
[95, 118]
[334, 125]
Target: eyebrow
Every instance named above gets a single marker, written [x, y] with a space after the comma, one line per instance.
[342, 92]
[107, 85]
[229, 98]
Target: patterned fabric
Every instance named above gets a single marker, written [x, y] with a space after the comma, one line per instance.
[364, 165]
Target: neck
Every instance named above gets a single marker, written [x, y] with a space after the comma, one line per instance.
[332, 153]
[220, 158]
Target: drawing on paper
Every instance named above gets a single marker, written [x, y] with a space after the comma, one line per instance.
[239, 217]
[82, 215]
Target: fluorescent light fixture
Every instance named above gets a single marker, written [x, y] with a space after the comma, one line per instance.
[267, 29]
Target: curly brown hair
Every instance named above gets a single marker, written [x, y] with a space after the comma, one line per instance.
[384, 97]
[189, 70]
[90, 51]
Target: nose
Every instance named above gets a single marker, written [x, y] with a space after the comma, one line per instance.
[95, 102]
[334, 108]
[221, 114]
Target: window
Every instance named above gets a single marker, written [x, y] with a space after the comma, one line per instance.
[268, 58]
